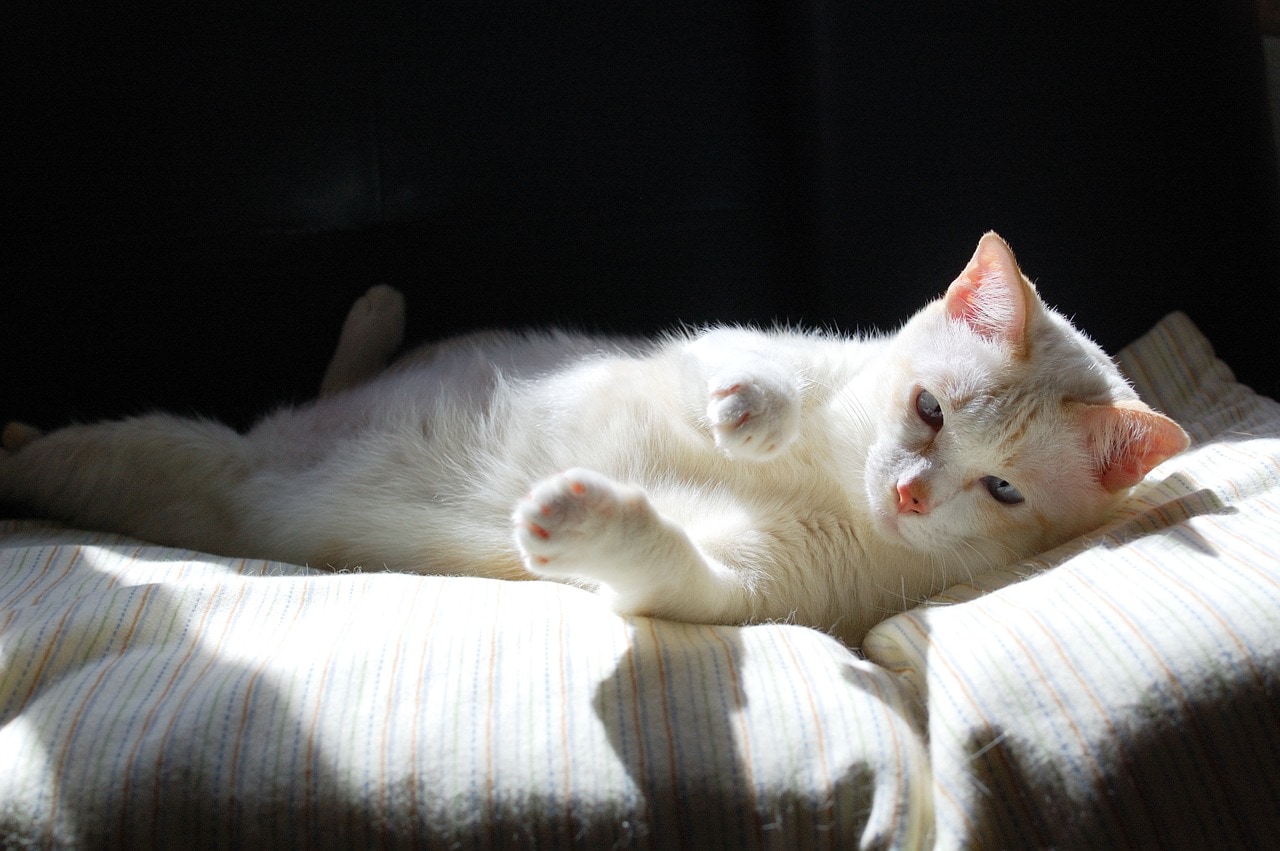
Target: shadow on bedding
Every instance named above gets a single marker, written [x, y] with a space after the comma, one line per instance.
[1200, 775]
[125, 725]
[724, 751]
[669, 710]
[1168, 517]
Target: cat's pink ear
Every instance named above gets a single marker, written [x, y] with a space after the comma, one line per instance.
[1128, 439]
[991, 296]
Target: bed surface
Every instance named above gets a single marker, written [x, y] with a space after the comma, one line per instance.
[1120, 691]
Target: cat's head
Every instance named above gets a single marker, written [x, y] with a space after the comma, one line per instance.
[1001, 430]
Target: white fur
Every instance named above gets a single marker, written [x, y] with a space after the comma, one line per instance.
[727, 476]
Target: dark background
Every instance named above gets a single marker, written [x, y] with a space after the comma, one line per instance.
[196, 192]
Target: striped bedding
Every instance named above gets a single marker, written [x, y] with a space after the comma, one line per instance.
[1121, 691]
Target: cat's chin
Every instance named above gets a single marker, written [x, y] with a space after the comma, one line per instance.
[903, 531]
[890, 526]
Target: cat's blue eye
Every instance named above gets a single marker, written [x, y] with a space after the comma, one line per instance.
[1002, 491]
[928, 409]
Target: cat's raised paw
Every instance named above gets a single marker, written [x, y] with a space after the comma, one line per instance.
[752, 417]
[571, 518]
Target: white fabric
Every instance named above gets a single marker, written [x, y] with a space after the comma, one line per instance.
[1119, 692]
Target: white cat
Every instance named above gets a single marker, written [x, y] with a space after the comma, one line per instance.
[728, 476]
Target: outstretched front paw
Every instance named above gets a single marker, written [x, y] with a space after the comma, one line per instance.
[752, 417]
[572, 520]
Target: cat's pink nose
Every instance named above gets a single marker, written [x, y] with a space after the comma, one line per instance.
[913, 497]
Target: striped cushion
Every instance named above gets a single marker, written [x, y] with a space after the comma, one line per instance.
[153, 697]
[157, 698]
[1130, 696]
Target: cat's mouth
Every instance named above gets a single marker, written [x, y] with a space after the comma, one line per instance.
[891, 523]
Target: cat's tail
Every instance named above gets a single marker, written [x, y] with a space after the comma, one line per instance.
[163, 478]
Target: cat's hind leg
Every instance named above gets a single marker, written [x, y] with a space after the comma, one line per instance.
[167, 479]
[582, 525]
[371, 334]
